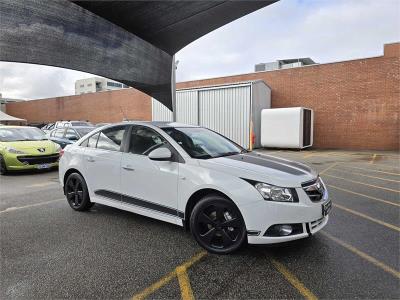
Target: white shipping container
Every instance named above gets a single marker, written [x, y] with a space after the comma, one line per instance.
[287, 127]
[234, 110]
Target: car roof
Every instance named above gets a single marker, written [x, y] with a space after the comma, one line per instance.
[159, 124]
[78, 127]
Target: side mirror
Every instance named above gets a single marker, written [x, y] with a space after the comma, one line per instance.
[160, 154]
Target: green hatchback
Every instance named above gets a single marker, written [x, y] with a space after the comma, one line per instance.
[26, 148]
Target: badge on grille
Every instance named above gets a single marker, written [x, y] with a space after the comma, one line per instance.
[41, 150]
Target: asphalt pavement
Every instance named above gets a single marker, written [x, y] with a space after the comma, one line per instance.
[49, 251]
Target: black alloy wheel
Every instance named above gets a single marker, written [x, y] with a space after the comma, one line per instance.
[217, 225]
[77, 193]
[3, 167]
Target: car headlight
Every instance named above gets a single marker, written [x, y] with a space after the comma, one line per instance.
[15, 151]
[57, 147]
[276, 193]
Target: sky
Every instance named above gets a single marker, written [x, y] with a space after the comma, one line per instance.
[325, 30]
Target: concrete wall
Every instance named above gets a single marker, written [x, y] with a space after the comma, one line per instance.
[356, 103]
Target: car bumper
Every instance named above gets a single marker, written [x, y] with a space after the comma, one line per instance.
[306, 216]
[31, 162]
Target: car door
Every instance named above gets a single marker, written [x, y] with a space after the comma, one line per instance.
[146, 184]
[102, 159]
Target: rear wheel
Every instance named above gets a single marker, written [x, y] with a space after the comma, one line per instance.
[217, 225]
[76, 192]
[3, 166]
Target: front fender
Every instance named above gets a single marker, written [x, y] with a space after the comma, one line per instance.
[194, 178]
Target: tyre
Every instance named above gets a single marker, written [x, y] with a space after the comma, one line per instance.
[3, 166]
[217, 225]
[76, 192]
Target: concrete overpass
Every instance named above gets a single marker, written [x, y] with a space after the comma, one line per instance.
[132, 42]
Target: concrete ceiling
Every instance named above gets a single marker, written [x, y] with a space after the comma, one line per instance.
[132, 42]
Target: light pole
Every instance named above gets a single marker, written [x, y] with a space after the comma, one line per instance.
[173, 87]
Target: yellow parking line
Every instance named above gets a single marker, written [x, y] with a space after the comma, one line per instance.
[371, 170]
[328, 168]
[374, 177]
[294, 280]
[29, 206]
[363, 195]
[365, 256]
[43, 184]
[391, 226]
[366, 184]
[167, 278]
[372, 159]
[384, 166]
[184, 283]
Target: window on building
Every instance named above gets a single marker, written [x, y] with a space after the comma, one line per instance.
[89, 84]
[82, 85]
[114, 84]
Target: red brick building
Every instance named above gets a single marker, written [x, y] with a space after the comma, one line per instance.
[356, 103]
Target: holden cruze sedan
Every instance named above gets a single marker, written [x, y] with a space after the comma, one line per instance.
[26, 148]
[196, 178]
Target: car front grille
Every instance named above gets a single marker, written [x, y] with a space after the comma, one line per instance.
[39, 159]
[314, 189]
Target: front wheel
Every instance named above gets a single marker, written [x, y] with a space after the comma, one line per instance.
[217, 225]
[76, 192]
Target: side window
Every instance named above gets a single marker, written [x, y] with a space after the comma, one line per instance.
[111, 138]
[71, 135]
[92, 141]
[59, 133]
[84, 143]
[144, 140]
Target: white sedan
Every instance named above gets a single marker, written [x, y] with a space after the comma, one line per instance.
[196, 178]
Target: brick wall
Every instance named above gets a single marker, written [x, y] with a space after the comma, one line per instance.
[356, 103]
[111, 106]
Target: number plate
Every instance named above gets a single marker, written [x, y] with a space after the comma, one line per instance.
[326, 208]
[43, 166]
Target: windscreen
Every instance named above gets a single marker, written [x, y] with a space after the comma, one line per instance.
[21, 134]
[202, 143]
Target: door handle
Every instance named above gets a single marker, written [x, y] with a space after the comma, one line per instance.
[128, 168]
[90, 159]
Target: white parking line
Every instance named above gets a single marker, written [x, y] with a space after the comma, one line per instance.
[14, 208]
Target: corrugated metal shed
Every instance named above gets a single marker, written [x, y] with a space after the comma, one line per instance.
[233, 110]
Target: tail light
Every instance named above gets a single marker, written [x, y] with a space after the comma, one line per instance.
[61, 152]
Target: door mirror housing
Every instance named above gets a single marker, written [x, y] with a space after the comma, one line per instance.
[161, 154]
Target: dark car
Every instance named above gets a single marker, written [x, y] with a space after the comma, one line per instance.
[68, 135]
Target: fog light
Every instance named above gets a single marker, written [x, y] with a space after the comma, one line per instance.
[285, 229]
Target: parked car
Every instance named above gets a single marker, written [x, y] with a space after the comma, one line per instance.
[102, 124]
[24, 148]
[48, 127]
[68, 135]
[60, 124]
[194, 177]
